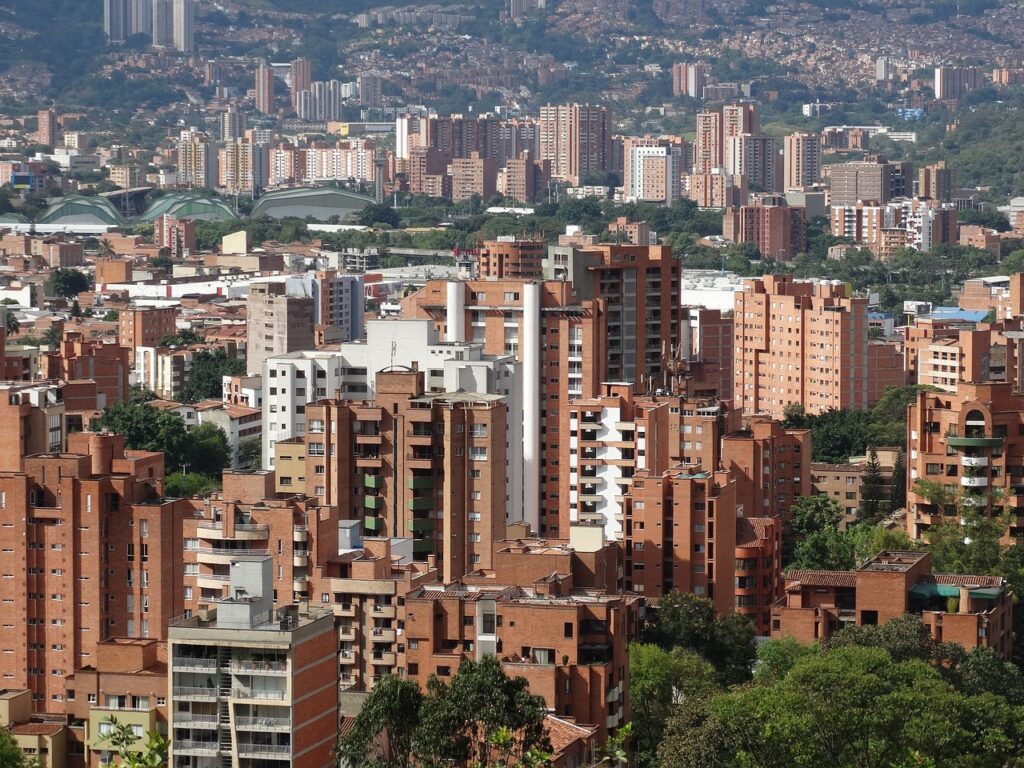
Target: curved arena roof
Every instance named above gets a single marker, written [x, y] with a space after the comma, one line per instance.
[318, 203]
[189, 205]
[79, 209]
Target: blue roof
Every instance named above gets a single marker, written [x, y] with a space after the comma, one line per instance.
[955, 313]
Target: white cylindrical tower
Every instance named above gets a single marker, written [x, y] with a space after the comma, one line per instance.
[532, 369]
[456, 312]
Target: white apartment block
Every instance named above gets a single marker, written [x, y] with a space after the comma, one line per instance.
[293, 380]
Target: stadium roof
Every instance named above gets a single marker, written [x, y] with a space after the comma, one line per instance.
[318, 203]
[190, 205]
[78, 209]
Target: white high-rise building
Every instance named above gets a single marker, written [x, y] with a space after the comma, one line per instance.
[293, 380]
[184, 32]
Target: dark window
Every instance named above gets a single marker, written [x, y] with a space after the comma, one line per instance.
[568, 629]
[869, 618]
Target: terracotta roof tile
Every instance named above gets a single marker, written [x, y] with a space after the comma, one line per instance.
[821, 578]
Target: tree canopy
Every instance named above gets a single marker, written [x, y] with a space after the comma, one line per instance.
[481, 717]
[874, 697]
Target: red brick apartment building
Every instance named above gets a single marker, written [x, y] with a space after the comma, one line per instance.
[805, 343]
[403, 459]
[974, 611]
[972, 444]
[549, 612]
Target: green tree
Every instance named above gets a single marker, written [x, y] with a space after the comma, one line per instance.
[898, 488]
[207, 449]
[383, 732]
[147, 429]
[183, 485]
[872, 491]
[250, 453]
[182, 338]
[815, 513]
[153, 753]
[776, 657]
[688, 621]
[659, 680]
[206, 375]
[67, 283]
[377, 214]
[826, 549]
[849, 706]
[11, 755]
[968, 544]
[138, 394]
[52, 337]
[11, 322]
[457, 720]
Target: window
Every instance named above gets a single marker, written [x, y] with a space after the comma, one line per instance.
[568, 629]
[188, 593]
[477, 453]
[444, 671]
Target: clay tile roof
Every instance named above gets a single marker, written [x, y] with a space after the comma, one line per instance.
[37, 729]
[822, 578]
[751, 531]
[563, 733]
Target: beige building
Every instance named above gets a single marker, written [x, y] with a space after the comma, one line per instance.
[277, 323]
[801, 160]
[41, 738]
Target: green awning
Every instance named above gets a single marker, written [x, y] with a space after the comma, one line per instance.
[951, 590]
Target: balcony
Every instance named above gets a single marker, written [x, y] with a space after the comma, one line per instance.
[974, 482]
[214, 531]
[373, 502]
[263, 723]
[383, 611]
[264, 751]
[421, 525]
[383, 659]
[217, 556]
[182, 747]
[347, 633]
[180, 664]
[373, 524]
[974, 461]
[258, 667]
[300, 534]
[347, 658]
[420, 483]
[423, 546]
[421, 504]
[973, 442]
[300, 583]
[192, 720]
[260, 694]
[421, 457]
[367, 459]
[300, 558]
[384, 634]
[346, 610]
[212, 581]
[374, 482]
[187, 693]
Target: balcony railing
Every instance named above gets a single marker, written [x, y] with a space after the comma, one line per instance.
[230, 552]
[186, 663]
[258, 666]
[241, 693]
[263, 722]
[184, 691]
[263, 749]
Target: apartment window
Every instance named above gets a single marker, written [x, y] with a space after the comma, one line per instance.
[144, 530]
[191, 569]
[130, 552]
[188, 593]
[191, 545]
[477, 453]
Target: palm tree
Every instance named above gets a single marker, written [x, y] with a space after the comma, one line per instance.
[53, 337]
[11, 323]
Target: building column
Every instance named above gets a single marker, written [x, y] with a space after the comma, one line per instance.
[456, 312]
[532, 354]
